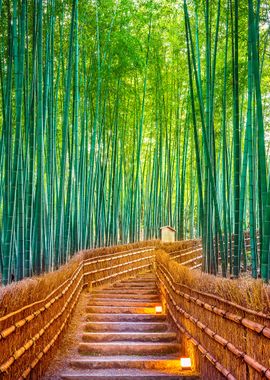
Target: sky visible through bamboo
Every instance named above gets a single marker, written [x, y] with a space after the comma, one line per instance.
[120, 116]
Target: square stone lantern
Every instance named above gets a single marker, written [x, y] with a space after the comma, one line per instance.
[167, 234]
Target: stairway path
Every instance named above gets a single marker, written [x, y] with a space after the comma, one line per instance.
[123, 338]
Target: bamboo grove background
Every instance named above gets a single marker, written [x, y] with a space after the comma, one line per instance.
[118, 117]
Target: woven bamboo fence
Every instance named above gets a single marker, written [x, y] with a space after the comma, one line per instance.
[226, 339]
[29, 332]
[190, 252]
[186, 252]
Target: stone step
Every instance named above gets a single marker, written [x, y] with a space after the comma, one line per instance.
[128, 336]
[124, 338]
[120, 309]
[96, 317]
[125, 291]
[128, 296]
[136, 285]
[126, 326]
[168, 361]
[132, 374]
[121, 302]
[129, 284]
[134, 288]
[138, 279]
[128, 348]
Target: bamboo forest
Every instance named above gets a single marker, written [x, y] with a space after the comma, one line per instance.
[121, 116]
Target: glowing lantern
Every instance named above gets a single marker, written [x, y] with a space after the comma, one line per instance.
[185, 363]
[158, 309]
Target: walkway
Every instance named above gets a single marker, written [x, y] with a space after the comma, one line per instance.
[124, 337]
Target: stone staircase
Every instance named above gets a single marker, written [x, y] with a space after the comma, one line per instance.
[124, 338]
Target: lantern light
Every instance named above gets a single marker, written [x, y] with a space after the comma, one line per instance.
[158, 309]
[185, 363]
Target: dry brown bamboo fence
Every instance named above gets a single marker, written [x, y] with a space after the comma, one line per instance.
[190, 252]
[233, 341]
[224, 338]
[28, 333]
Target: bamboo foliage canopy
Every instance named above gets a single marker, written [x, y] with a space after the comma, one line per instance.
[120, 116]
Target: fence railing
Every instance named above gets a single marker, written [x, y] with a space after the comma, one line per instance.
[231, 338]
[28, 333]
[190, 252]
